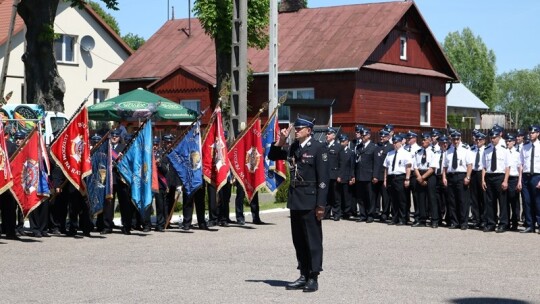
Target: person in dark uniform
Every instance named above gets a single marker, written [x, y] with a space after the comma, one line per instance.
[530, 161]
[19, 137]
[8, 205]
[333, 203]
[308, 191]
[495, 174]
[514, 182]
[425, 164]
[163, 167]
[58, 205]
[380, 192]
[346, 176]
[397, 177]
[363, 176]
[457, 167]
[196, 199]
[253, 205]
[477, 194]
[356, 203]
[173, 180]
[441, 191]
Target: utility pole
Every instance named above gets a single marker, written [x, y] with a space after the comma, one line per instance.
[239, 66]
[273, 58]
[3, 75]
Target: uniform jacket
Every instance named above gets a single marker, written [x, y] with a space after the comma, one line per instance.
[346, 165]
[309, 173]
[333, 159]
[381, 150]
[364, 162]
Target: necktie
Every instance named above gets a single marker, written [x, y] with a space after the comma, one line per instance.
[494, 160]
[454, 159]
[394, 162]
[477, 159]
[423, 156]
[532, 160]
[439, 170]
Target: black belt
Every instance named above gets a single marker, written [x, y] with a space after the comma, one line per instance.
[295, 183]
[534, 174]
[494, 174]
[513, 177]
[396, 175]
[455, 173]
[422, 171]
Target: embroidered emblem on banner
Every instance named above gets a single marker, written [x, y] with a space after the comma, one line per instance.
[253, 157]
[30, 175]
[77, 148]
[195, 159]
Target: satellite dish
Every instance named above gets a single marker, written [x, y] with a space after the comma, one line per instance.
[87, 43]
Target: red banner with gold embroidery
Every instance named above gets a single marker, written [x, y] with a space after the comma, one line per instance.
[214, 153]
[71, 151]
[6, 179]
[25, 168]
[246, 157]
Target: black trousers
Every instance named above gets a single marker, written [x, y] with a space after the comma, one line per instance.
[307, 239]
[213, 211]
[58, 211]
[333, 203]
[196, 199]
[239, 205]
[382, 199]
[161, 208]
[426, 200]
[495, 195]
[39, 218]
[367, 205]
[411, 198]
[8, 209]
[396, 189]
[79, 212]
[458, 200]
[121, 191]
[441, 194]
[346, 197]
[224, 195]
[477, 198]
[512, 197]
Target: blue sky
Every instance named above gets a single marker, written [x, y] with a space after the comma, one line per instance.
[506, 27]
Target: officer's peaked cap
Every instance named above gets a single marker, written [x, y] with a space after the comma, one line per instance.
[304, 121]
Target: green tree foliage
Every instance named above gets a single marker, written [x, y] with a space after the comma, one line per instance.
[108, 18]
[518, 93]
[134, 41]
[474, 63]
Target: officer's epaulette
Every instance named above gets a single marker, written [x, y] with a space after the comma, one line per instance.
[488, 146]
[473, 148]
[503, 146]
[466, 146]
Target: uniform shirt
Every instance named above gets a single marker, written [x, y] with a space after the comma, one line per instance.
[413, 148]
[515, 162]
[480, 152]
[464, 158]
[502, 158]
[403, 159]
[431, 161]
[439, 158]
[435, 147]
[525, 157]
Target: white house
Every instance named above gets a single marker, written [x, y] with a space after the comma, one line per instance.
[461, 101]
[87, 52]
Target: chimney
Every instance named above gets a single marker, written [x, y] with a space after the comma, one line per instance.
[291, 6]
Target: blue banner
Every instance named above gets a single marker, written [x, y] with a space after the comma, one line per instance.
[187, 161]
[274, 173]
[135, 168]
[99, 183]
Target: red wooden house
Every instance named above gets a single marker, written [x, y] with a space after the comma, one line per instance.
[368, 64]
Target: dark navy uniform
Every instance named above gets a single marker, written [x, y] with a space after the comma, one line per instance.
[364, 164]
[308, 191]
[477, 194]
[346, 175]
[333, 204]
[380, 192]
[8, 205]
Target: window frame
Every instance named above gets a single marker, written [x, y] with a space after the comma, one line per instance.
[62, 58]
[403, 47]
[294, 95]
[428, 109]
[105, 93]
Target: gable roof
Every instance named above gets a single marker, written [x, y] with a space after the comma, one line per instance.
[5, 18]
[339, 38]
[461, 97]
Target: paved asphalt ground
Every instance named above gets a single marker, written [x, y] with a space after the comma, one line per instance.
[363, 263]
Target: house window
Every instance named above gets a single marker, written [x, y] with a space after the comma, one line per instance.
[100, 95]
[64, 48]
[192, 104]
[425, 109]
[284, 112]
[403, 47]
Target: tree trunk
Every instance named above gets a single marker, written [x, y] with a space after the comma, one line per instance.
[43, 83]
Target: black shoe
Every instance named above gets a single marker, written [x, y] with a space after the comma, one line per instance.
[392, 223]
[13, 237]
[224, 224]
[298, 284]
[55, 231]
[311, 285]
[146, 229]
[400, 224]
[528, 230]
[86, 233]
[435, 225]
[258, 222]
[369, 220]
[45, 234]
[336, 219]
[185, 227]
[241, 222]
[203, 227]
[211, 224]
[106, 231]
[71, 233]
[464, 226]
[419, 224]
[126, 231]
[489, 229]
[161, 229]
[453, 226]
[501, 229]
[36, 234]
[514, 227]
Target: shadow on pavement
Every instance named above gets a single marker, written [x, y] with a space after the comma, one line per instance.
[485, 300]
[273, 283]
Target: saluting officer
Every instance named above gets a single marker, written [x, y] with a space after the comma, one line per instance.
[308, 190]
[457, 167]
[514, 182]
[530, 160]
[477, 194]
[380, 193]
[333, 203]
[397, 176]
[495, 182]
[363, 176]
[425, 164]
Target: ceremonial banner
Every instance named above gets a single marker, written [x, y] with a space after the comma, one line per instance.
[100, 182]
[70, 150]
[6, 179]
[135, 168]
[214, 153]
[274, 171]
[29, 188]
[186, 160]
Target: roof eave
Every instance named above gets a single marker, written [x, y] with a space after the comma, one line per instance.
[131, 79]
[338, 70]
